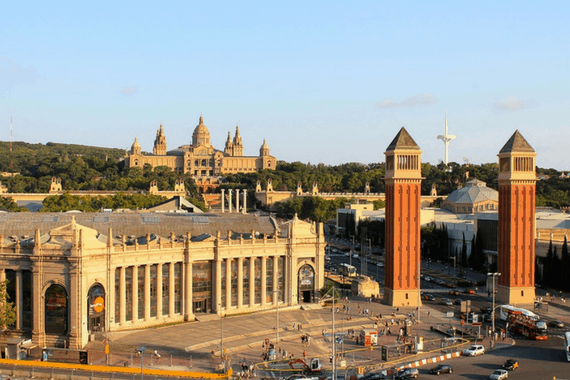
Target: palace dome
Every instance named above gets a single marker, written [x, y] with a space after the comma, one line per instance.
[201, 135]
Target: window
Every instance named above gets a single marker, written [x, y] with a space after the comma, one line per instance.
[56, 310]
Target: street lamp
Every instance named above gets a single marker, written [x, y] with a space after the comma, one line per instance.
[141, 350]
[221, 332]
[276, 297]
[494, 275]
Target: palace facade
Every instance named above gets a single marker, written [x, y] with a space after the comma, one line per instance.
[200, 158]
[97, 272]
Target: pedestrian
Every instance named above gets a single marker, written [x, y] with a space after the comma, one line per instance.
[304, 355]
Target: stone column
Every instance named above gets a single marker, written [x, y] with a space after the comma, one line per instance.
[159, 291]
[251, 282]
[188, 291]
[228, 283]
[263, 281]
[240, 283]
[135, 291]
[147, 292]
[122, 296]
[223, 199]
[19, 300]
[275, 280]
[230, 201]
[38, 335]
[171, 293]
[237, 200]
[2, 280]
[244, 207]
[218, 283]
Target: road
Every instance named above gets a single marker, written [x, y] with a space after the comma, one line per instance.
[537, 359]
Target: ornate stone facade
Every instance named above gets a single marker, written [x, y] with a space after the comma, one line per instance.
[200, 158]
[76, 280]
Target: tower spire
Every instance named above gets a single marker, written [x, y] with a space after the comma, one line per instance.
[446, 139]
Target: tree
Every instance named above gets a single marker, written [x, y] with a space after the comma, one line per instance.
[565, 265]
[7, 309]
[464, 252]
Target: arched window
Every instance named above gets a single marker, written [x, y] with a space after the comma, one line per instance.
[136, 162]
[203, 162]
[195, 162]
[56, 310]
[96, 308]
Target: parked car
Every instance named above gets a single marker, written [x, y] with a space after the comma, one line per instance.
[442, 368]
[428, 278]
[408, 373]
[499, 374]
[556, 323]
[457, 301]
[450, 285]
[454, 292]
[380, 264]
[469, 291]
[446, 302]
[511, 365]
[474, 350]
[439, 281]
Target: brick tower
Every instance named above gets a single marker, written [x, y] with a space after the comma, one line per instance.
[517, 196]
[403, 185]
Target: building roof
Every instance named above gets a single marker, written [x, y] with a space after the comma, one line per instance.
[474, 191]
[517, 144]
[403, 140]
[24, 224]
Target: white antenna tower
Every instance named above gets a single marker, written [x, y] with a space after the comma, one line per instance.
[466, 160]
[446, 139]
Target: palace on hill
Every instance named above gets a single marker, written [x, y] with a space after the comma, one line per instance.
[200, 158]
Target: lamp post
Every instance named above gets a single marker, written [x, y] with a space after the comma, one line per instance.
[419, 291]
[494, 275]
[221, 332]
[276, 295]
[141, 350]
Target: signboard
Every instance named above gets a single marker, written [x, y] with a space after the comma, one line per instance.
[99, 304]
[449, 314]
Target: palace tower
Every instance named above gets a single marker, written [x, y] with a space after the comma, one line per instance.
[517, 198]
[403, 186]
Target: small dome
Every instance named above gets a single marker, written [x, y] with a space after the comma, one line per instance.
[264, 150]
[201, 135]
[136, 148]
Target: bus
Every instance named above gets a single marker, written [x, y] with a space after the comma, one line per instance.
[504, 311]
[567, 343]
[348, 270]
[519, 323]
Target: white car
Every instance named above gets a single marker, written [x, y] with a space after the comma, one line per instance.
[474, 350]
[499, 374]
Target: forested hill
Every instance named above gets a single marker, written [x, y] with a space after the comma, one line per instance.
[92, 168]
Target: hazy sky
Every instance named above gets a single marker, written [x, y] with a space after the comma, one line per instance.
[322, 81]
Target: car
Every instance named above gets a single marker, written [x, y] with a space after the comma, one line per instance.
[488, 317]
[380, 264]
[439, 281]
[407, 373]
[450, 285]
[556, 323]
[428, 297]
[373, 376]
[511, 365]
[446, 302]
[457, 301]
[454, 292]
[499, 374]
[355, 255]
[442, 368]
[474, 350]
[469, 291]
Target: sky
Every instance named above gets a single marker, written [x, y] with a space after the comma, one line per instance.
[322, 81]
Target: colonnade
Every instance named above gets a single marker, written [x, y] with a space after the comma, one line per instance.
[230, 203]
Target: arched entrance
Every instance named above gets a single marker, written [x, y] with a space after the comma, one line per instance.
[306, 286]
[56, 320]
[96, 309]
